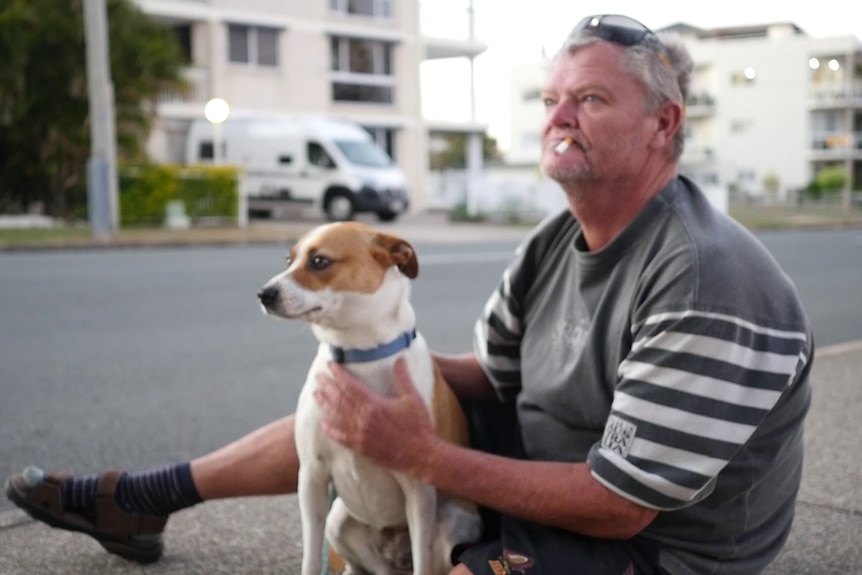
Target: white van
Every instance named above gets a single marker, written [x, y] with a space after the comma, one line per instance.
[330, 164]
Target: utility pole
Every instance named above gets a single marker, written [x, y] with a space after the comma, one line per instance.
[102, 165]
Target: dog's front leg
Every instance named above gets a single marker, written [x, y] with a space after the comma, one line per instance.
[313, 493]
[421, 502]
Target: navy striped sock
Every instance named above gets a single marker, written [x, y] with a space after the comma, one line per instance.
[159, 491]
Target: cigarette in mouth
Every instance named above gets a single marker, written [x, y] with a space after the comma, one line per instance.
[563, 145]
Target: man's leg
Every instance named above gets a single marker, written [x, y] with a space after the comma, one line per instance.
[264, 462]
[127, 513]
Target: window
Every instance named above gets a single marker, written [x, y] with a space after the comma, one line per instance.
[366, 154]
[317, 156]
[183, 34]
[384, 137]
[531, 95]
[344, 92]
[253, 45]
[743, 77]
[206, 150]
[371, 8]
[361, 56]
[362, 70]
[740, 126]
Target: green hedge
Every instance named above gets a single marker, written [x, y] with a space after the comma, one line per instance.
[209, 194]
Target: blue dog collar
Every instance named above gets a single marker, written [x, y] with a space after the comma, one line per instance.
[403, 341]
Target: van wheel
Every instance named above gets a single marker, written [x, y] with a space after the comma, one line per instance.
[386, 216]
[339, 207]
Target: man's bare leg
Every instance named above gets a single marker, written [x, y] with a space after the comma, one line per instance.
[264, 462]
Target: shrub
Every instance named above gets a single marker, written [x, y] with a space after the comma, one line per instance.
[209, 194]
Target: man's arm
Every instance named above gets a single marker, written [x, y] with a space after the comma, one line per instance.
[561, 494]
[396, 433]
[464, 375]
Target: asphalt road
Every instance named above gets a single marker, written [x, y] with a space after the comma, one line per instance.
[135, 358]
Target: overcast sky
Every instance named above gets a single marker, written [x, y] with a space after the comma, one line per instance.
[517, 30]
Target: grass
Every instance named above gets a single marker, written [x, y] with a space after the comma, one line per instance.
[42, 236]
[70, 237]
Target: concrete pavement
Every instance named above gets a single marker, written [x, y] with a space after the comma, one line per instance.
[261, 535]
[257, 536]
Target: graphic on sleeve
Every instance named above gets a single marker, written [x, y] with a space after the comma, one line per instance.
[619, 435]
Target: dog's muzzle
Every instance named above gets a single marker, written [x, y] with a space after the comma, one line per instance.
[269, 297]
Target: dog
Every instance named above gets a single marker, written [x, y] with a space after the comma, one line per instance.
[351, 283]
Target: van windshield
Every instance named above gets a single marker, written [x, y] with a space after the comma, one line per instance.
[363, 153]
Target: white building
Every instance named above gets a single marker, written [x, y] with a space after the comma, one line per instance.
[769, 105]
[356, 59]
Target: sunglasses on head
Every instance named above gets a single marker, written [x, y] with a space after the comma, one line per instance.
[618, 29]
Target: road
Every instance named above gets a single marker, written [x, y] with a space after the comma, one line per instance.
[135, 358]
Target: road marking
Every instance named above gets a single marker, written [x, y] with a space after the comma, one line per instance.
[472, 257]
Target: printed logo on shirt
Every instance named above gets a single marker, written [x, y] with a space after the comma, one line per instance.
[511, 562]
[619, 435]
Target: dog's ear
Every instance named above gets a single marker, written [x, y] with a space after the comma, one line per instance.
[400, 253]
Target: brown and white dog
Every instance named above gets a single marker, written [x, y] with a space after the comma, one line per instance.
[351, 284]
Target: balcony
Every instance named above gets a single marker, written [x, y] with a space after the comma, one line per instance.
[700, 105]
[188, 103]
[198, 89]
[447, 30]
[835, 95]
[836, 146]
[697, 154]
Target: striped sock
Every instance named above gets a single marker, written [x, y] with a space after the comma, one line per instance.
[159, 491]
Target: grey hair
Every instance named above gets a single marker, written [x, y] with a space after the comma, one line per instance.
[666, 75]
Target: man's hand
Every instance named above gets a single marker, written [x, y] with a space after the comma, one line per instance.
[391, 431]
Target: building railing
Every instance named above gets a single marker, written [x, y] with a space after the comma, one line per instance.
[197, 92]
[836, 93]
[694, 153]
[837, 141]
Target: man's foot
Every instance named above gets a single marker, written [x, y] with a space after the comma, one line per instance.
[132, 536]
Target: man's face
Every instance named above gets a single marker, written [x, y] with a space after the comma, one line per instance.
[589, 98]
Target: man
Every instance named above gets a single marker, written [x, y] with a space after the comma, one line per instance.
[638, 383]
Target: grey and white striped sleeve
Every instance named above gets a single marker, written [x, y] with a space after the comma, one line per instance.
[497, 338]
[691, 392]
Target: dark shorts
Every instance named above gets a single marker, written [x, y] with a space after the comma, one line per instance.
[510, 546]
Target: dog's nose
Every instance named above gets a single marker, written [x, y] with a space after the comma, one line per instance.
[268, 296]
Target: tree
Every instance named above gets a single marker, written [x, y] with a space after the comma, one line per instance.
[454, 154]
[44, 115]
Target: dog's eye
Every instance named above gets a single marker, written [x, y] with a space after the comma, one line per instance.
[320, 263]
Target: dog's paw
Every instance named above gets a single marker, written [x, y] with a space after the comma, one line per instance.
[393, 546]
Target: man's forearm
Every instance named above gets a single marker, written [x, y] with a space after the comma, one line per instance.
[561, 494]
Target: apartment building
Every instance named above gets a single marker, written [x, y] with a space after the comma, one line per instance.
[355, 59]
[769, 107]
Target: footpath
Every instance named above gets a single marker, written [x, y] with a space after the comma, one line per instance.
[259, 536]
[424, 226]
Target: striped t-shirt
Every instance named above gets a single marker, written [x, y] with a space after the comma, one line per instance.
[674, 361]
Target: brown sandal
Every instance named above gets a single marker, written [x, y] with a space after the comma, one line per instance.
[130, 535]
